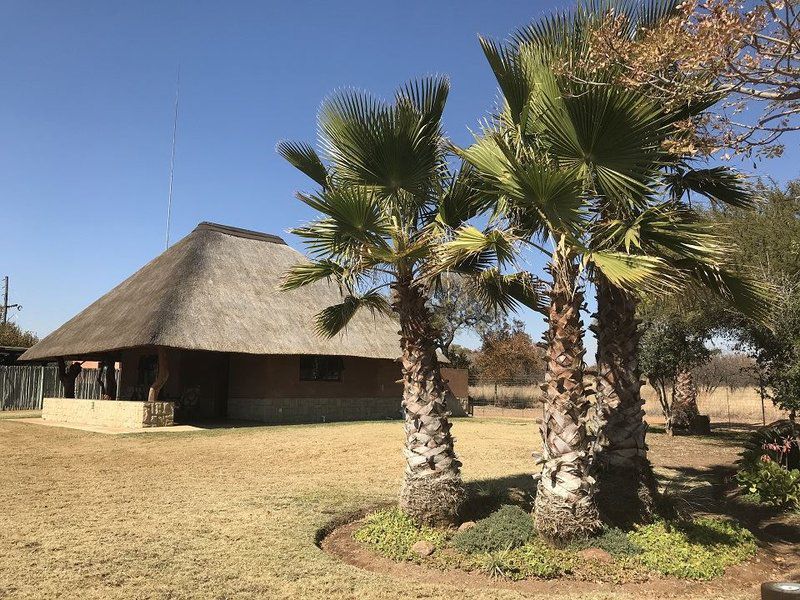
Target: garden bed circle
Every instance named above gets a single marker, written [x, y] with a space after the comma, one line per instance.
[337, 539]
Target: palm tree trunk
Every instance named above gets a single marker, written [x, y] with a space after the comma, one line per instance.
[684, 402]
[432, 492]
[626, 484]
[565, 505]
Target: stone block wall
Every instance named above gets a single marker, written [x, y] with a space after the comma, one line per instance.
[108, 413]
[158, 414]
[320, 410]
[313, 410]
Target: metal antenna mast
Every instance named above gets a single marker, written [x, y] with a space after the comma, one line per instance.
[172, 157]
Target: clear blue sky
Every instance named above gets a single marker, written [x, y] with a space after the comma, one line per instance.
[86, 117]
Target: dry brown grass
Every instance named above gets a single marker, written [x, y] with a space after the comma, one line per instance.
[226, 513]
[723, 405]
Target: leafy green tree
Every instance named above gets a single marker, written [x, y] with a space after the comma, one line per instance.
[769, 245]
[640, 176]
[12, 334]
[386, 198]
[583, 166]
[669, 349]
[546, 156]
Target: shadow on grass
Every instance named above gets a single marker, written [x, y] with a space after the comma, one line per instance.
[712, 490]
[691, 491]
[487, 495]
[728, 434]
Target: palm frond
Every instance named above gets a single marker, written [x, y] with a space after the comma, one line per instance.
[548, 196]
[464, 198]
[612, 134]
[392, 148]
[747, 295]
[303, 157]
[668, 230]
[472, 250]
[635, 273]
[497, 291]
[717, 184]
[334, 319]
[353, 215]
[427, 97]
[512, 78]
[310, 272]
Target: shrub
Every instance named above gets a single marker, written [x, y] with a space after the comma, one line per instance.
[507, 528]
[534, 559]
[772, 441]
[771, 483]
[613, 540]
[699, 549]
[392, 533]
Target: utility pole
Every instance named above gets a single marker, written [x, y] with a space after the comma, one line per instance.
[6, 305]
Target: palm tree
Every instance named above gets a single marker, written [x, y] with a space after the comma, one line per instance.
[386, 199]
[640, 224]
[543, 194]
[582, 165]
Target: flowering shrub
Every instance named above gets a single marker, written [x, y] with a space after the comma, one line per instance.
[771, 482]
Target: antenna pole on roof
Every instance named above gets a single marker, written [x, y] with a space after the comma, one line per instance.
[172, 157]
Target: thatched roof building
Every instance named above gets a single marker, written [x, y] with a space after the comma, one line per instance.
[217, 290]
[203, 331]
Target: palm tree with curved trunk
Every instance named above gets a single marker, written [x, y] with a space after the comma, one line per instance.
[386, 199]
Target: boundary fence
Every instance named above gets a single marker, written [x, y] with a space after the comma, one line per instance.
[524, 399]
[24, 387]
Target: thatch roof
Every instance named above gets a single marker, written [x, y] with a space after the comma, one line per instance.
[217, 289]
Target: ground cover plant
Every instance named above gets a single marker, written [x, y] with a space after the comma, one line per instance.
[505, 544]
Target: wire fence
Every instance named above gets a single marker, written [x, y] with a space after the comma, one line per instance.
[24, 387]
[523, 398]
[513, 393]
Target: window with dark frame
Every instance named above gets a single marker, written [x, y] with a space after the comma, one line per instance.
[321, 368]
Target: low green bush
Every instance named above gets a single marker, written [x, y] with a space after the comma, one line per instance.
[771, 483]
[613, 540]
[392, 533]
[507, 528]
[534, 559]
[699, 549]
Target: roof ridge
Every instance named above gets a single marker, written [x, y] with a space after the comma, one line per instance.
[239, 232]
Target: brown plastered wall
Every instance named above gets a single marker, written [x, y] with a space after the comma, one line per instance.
[269, 389]
[458, 380]
[279, 377]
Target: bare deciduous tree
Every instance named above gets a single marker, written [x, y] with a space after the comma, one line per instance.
[750, 56]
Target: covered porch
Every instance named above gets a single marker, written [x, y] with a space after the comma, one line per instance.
[157, 387]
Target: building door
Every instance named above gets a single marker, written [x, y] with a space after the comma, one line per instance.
[204, 386]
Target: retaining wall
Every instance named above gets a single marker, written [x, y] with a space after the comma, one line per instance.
[125, 414]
